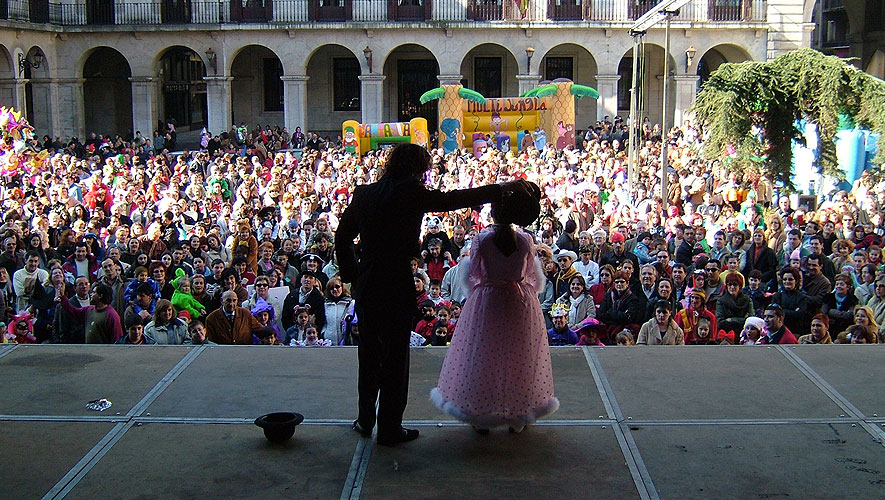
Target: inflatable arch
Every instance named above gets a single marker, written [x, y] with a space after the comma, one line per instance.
[361, 137]
[547, 113]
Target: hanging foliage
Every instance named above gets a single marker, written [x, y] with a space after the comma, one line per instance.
[750, 110]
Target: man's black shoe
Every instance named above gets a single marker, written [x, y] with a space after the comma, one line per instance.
[404, 436]
[359, 428]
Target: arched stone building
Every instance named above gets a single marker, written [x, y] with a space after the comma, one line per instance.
[118, 66]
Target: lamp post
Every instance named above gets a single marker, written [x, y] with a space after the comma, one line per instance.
[529, 52]
[213, 60]
[367, 53]
[33, 62]
[689, 57]
[665, 9]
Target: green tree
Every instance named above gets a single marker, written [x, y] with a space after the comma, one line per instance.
[750, 109]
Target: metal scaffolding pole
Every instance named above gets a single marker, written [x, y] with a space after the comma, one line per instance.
[633, 151]
[664, 128]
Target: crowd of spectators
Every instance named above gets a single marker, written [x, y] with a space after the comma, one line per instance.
[114, 240]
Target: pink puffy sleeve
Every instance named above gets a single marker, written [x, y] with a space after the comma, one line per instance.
[534, 273]
[477, 264]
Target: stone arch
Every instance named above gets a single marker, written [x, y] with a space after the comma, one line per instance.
[333, 88]
[481, 59]
[717, 55]
[7, 66]
[182, 89]
[410, 70]
[8, 74]
[808, 10]
[107, 92]
[650, 82]
[257, 88]
[575, 62]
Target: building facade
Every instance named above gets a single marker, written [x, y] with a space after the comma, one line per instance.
[115, 66]
[853, 29]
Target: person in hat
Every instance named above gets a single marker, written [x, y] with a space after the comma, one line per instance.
[643, 241]
[245, 238]
[307, 294]
[688, 318]
[619, 253]
[386, 215]
[314, 263]
[588, 333]
[564, 259]
[94, 245]
[586, 266]
[501, 310]
[752, 331]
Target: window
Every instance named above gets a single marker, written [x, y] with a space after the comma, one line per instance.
[346, 83]
[273, 85]
[625, 71]
[487, 76]
[559, 67]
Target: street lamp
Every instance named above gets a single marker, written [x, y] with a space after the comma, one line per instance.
[665, 10]
[33, 62]
[213, 60]
[689, 57]
[529, 52]
[367, 53]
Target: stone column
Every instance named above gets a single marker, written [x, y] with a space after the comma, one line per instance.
[144, 105]
[43, 116]
[67, 94]
[295, 99]
[372, 98]
[218, 103]
[607, 104]
[527, 82]
[12, 92]
[686, 91]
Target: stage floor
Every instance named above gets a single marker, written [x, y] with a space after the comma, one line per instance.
[642, 422]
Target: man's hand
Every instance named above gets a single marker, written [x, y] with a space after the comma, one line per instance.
[144, 314]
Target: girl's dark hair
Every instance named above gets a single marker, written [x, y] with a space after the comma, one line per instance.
[504, 238]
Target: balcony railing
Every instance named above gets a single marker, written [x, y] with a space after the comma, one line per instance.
[125, 12]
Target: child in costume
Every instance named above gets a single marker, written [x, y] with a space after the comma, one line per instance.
[497, 371]
[20, 330]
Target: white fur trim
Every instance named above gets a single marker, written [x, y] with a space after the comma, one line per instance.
[489, 421]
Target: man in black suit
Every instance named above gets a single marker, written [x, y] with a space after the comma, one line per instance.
[387, 217]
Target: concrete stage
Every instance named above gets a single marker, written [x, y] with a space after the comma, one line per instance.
[641, 422]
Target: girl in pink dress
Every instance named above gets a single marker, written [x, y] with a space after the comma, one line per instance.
[497, 371]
